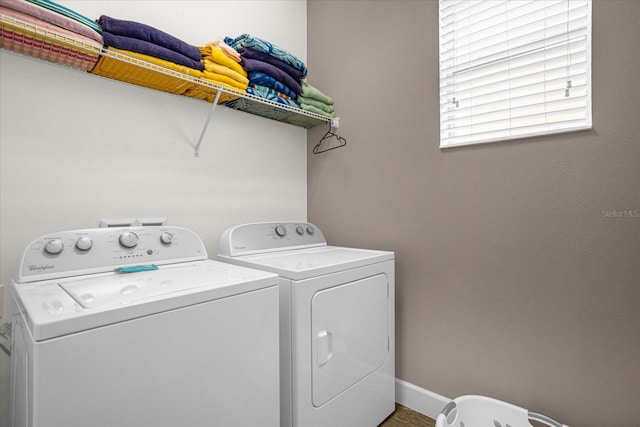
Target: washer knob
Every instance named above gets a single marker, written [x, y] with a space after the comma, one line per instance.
[166, 238]
[84, 243]
[54, 246]
[300, 230]
[281, 230]
[129, 239]
[311, 230]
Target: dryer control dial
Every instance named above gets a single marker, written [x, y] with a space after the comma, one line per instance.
[129, 239]
[53, 246]
[84, 243]
[281, 230]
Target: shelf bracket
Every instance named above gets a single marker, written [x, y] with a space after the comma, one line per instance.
[196, 152]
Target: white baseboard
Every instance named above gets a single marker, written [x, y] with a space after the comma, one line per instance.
[419, 399]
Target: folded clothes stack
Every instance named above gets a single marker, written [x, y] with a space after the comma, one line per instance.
[222, 65]
[274, 73]
[313, 100]
[151, 45]
[39, 17]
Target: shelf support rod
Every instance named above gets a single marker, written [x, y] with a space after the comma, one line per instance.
[196, 153]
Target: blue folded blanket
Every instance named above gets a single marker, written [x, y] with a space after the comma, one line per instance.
[262, 79]
[136, 30]
[246, 52]
[247, 40]
[275, 72]
[151, 49]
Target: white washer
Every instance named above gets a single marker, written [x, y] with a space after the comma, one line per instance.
[336, 322]
[136, 327]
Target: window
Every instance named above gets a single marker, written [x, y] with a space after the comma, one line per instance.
[513, 68]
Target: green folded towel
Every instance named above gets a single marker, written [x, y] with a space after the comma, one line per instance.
[316, 110]
[309, 91]
[318, 104]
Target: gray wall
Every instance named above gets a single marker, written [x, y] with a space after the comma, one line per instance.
[515, 277]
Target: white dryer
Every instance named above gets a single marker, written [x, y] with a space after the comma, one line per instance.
[135, 327]
[336, 322]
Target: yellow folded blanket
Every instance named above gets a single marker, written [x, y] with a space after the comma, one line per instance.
[166, 64]
[141, 76]
[215, 54]
[228, 50]
[224, 80]
[214, 67]
[208, 94]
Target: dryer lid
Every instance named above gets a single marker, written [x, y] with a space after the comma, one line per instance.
[312, 262]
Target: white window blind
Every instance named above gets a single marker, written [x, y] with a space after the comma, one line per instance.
[513, 68]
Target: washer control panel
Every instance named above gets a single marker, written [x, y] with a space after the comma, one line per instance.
[87, 251]
[263, 237]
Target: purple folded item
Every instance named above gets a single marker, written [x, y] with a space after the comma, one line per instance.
[136, 30]
[254, 65]
[147, 48]
[246, 52]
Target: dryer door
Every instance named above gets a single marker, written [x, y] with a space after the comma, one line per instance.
[350, 335]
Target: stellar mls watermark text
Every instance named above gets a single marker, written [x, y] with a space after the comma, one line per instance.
[629, 213]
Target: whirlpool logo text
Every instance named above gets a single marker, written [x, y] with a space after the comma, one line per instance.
[35, 267]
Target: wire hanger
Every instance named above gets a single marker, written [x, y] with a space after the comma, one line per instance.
[328, 136]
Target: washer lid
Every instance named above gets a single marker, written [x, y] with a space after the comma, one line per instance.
[312, 262]
[60, 307]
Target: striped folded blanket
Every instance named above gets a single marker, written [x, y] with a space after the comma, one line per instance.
[64, 11]
[52, 17]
